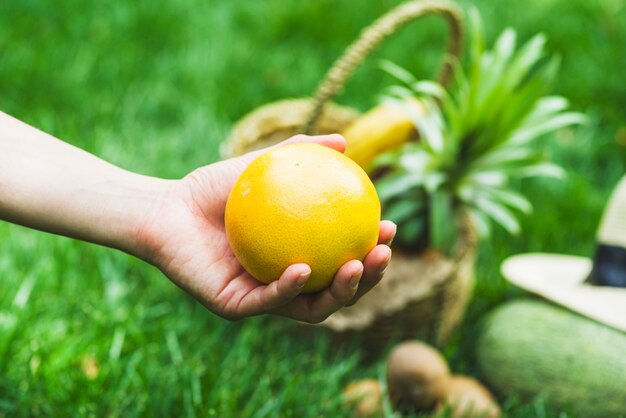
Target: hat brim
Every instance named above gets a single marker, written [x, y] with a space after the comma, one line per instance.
[560, 278]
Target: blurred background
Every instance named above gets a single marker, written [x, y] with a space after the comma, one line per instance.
[87, 331]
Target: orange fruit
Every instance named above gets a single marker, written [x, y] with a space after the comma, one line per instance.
[302, 203]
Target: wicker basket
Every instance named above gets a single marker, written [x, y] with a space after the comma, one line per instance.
[422, 295]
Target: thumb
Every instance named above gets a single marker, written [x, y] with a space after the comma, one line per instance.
[227, 171]
[334, 141]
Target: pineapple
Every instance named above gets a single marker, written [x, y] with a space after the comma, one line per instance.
[475, 137]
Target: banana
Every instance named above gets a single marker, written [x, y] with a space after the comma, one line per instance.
[382, 128]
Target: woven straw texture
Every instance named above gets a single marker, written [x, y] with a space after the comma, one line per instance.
[420, 297]
[275, 122]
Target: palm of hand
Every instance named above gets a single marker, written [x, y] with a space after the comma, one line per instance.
[189, 245]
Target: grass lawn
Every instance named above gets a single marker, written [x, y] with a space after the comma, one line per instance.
[87, 331]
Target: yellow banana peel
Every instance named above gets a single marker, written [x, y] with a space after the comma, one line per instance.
[382, 128]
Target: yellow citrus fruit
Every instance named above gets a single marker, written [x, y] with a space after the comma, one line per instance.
[302, 203]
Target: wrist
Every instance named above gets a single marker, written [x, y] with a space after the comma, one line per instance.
[52, 186]
[135, 202]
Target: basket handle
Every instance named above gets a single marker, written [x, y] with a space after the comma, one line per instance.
[373, 35]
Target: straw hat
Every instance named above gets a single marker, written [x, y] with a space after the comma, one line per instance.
[592, 287]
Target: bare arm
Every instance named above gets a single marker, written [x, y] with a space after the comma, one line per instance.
[53, 186]
[176, 225]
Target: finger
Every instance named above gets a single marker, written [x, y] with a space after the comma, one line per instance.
[334, 141]
[374, 267]
[387, 231]
[341, 291]
[267, 298]
[231, 169]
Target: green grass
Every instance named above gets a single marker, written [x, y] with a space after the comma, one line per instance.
[155, 88]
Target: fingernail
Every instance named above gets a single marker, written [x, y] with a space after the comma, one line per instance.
[303, 278]
[394, 235]
[384, 265]
[386, 261]
[355, 279]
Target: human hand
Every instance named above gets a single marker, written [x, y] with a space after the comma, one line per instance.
[184, 236]
[177, 225]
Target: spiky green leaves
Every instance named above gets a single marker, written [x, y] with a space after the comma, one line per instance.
[475, 137]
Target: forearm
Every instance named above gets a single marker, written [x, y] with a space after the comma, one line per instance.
[50, 185]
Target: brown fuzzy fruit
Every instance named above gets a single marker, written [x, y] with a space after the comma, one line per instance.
[468, 398]
[417, 376]
[364, 398]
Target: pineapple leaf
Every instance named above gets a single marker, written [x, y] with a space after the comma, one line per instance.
[480, 222]
[477, 35]
[494, 178]
[397, 92]
[544, 169]
[505, 47]
[499, 213]
[442, 230]
[385, 159]
[477, 50]
[528, 56]
[398, 72]
[510, 198]
[434, 181]
[545, 108]
[415, 162]
[399, 211]
[503, 156]
[527, 134]
[429, 124]
[475, 137]
[430, 88]
[397, 184]
[411, 230]
[459, 97]
[494, 68]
